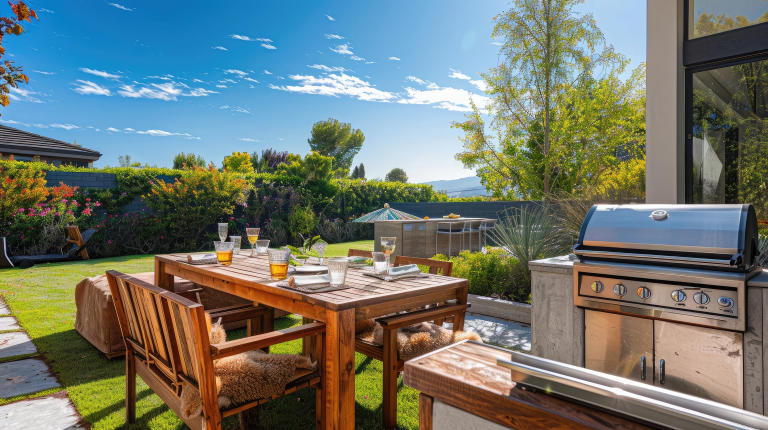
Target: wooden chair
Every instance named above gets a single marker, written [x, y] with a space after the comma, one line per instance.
[76, 239]
[166, 339]
[387, 351]
[78, 250]
[359, 253]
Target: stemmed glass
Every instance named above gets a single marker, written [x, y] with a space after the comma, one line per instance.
[223, 231]
[319, 247]
[388, 246]
[253, 235]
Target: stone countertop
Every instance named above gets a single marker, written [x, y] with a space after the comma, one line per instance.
[560, 262]
[760, 280]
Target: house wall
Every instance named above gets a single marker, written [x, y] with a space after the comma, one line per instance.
[665, 103]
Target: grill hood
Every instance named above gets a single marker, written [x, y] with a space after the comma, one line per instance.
[722, 237]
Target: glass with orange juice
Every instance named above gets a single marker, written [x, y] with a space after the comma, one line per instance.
[278, 263]
[224, 251]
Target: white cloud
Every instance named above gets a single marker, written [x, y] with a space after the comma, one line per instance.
[227, 81]
[42, 9]
[342, 49]
[13, 122]
[268, 46]
[199, 92]
[119, 6]
[100, 73]
[198, 81]
[263, 39]
[267, 72]
[43, 72]
[237, 72]
[168, 91]
[417, 80]
[113, 129]
[161, 133]
[326, 68]
[393, 58]
[336, 85]
[23, 94]
[333, 36]
[479, 84]
[251, 80]
[219, 48]
[448, 98]
[458, 75]
[249, 139]
[65, 126]
[251, 39]
[92, 88]
[237, 109]
[240, 37]
[330, 18]
[221, 86]
[356, 58]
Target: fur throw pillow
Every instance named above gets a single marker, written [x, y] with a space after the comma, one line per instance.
[244, 377]
[417, 339]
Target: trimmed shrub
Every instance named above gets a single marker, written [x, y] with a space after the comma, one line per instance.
[491, 274]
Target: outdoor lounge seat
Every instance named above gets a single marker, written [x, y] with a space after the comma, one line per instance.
[77, 250]
[167, 339]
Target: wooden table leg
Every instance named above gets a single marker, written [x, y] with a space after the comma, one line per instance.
[162, 279]
[339, 378]
[389, 391]
[458, 319]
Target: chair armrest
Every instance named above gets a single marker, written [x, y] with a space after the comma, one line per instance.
[225, 349]
[401, 320]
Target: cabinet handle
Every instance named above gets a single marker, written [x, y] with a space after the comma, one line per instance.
[642, 368]
[661, 371]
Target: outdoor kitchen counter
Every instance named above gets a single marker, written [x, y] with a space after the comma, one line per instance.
[462, 387]
[760, 280]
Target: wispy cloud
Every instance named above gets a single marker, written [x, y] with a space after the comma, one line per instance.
[237, 109]
[264, 40]
[167, 91]
[268, 46]
[326, 68]
[478, 83]
[42, 9]
[113, 129]
[393, 58]
[219, 48]
[90, 88]
[65, 126]
[249, 139]
[24, 94]
[249, 79]
[237, 72]
[458, 75]
[43, 72]
[121, 7]
[417, 80]
[342, 49]
[330, 18]
[453, 99]
[161, 133]
[240, 37]
[267, 72]
[333, 36]
[336, 85]
[99, 73]
[221, 86]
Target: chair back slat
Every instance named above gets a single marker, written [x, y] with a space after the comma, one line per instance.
[436, 267]
[183, 333]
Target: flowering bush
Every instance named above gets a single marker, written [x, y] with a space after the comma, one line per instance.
[20, 187]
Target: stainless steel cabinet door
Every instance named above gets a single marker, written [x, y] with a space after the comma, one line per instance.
[700, 361]
[619, 345]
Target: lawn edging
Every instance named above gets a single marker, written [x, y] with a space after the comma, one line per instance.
[498, 308]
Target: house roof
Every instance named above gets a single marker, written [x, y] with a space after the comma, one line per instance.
[15, 141]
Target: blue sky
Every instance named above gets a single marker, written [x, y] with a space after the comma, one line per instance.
[151, 79]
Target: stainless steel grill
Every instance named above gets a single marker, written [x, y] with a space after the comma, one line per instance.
[664, 290]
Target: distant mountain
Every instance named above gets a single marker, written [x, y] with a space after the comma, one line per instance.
[462, 187]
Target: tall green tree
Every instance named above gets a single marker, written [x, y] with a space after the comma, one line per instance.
[358, 172]
[313, 176]
[269, 160]
[187, 161]
[396, 175]
[338, 140]
[559, 112]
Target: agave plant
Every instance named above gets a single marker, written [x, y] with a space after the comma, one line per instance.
[530, 233]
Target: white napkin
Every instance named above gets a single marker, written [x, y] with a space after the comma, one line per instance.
[303, 281]
[408, 269]
[202, 259]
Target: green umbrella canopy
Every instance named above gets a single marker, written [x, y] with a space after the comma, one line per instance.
[385, 214]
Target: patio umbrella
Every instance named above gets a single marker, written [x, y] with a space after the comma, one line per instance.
[385, 214]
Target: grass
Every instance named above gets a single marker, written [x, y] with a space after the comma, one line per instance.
[43, 300]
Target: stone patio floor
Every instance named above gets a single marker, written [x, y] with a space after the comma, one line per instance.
[508, 334]
[22, 373]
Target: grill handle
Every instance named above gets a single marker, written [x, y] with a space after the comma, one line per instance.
[662, 371]
[642, 368]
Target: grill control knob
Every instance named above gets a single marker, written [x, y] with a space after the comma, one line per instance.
[678, 296]
[596, 286]
[643, 292]
[701, 298]
[619, 290]
[725, 302]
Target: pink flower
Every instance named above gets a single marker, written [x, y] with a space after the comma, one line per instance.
[87, 211]
[22, 236]
[63, 200]
[97, 204]
[57, 214]
[87, 199]
[231, 218]
[109, 242]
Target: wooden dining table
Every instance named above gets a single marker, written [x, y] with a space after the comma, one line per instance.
[367, 297]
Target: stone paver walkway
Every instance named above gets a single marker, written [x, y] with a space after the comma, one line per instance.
[20, 375]
[508, 334]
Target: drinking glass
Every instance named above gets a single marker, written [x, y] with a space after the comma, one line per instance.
[224, 251]
[337, 271]
[380, 263]
[388, 246]
[319, 247]
[278, 263]
[238, 241]
[223, 230]
[253, 236]
[262, 246]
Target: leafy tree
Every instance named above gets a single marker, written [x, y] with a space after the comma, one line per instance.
[187, 161]
[338, 140]
[358, 172]
[314, 176]
[238, 162]
[10, 74]
[125, 161]
[269, 160]
[559, 111]
[396, 175]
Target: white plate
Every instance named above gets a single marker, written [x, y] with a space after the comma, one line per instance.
[308, 268]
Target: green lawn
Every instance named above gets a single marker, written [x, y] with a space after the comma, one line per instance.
[43, 299]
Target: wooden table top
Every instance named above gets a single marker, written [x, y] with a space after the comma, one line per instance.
[364, 290]
[465, 375]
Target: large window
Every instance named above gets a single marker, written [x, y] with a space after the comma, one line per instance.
[708, 17]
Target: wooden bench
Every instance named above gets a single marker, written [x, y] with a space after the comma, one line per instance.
[166, 338]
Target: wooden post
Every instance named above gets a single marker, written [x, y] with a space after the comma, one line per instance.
[458, 319]
[339, 378]
[130, 386]
[389, 362]
[162, 279]
[425, 412]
